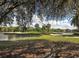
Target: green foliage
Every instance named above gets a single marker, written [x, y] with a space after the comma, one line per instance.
[46, 29]
[76, 33]
[9, 29]
[75, 21]
[30, 29]
[57, 30]
[37, 28]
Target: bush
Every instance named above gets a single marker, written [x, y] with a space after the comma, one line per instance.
[57, 30]
[76, 33]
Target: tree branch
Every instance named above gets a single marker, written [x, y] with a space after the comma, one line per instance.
[2, 2]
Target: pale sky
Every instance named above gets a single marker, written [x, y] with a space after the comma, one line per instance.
[65, 24]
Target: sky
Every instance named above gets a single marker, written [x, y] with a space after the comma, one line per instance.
[65, 24]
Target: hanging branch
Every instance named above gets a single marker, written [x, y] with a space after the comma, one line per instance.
[11, 8]
[2, 2]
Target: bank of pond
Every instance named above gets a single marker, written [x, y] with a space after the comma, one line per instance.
[13, 36]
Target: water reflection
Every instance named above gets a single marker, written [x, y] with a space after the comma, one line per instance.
[3, 37]
[13, 36]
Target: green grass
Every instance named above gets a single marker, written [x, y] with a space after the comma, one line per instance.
[22, 32]
[53, 38]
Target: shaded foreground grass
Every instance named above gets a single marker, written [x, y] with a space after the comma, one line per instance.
[38, 49]
[55, 38]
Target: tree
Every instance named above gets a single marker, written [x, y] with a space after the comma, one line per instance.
[48, 27]
[44, 29]
[75, 21]
[37, 27]
[54, 9]
[13, 8]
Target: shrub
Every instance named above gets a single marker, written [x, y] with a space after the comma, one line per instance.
[76, 33]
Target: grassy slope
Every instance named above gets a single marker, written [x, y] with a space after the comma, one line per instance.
[52, 38]
[56, 38]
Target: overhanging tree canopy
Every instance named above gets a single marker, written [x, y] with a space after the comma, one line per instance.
[20, 7]
[23, 10]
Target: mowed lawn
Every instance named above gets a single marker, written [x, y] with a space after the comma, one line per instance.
[53, 38]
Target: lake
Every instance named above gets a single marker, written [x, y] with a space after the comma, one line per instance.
[13, 36]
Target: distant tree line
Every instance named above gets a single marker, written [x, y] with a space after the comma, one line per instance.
[46, 29]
